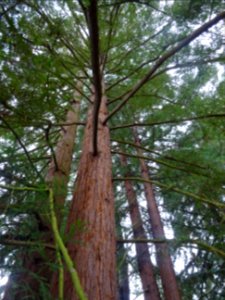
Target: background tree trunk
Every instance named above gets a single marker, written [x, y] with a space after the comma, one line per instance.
[167, 274]
[145, 267]
[122, 265]
[123, 275]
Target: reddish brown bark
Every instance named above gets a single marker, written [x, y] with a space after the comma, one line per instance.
[59, 169]
[25, 283]
[167, 274]
[91, 225]
[146, 270]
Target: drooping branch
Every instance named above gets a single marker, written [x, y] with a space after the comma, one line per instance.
[186, 41]
[173, 121]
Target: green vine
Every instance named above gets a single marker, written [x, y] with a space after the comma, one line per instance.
[59, 243]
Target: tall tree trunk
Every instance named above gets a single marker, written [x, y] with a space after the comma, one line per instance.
[146, 270]
[168, 277]
[35, 266]
[91, 223]
[59, 169]
[122, 266]
[123, 278]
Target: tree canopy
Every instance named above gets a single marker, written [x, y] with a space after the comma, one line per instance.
[162, 67]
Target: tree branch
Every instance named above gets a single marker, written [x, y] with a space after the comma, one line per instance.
[158, 153]
[137, 241]
[199, 243]
[131, 51]
[16, 242]
[22, 188]
[186, 41]
[213, 203]
[161, 162]
[22, 146]
[169, 121]
[189, 64]
[5, 11]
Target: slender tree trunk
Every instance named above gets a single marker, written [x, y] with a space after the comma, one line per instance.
[122, 267]
[91, 224]
[146, 270]
[168, 277]
[124, 288]
[35, 266]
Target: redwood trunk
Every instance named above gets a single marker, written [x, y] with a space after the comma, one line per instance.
[145, 267]
[25, 283]
[59, 169]
[91, 224]
[167, 274]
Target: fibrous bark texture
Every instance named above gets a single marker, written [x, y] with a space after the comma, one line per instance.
[167, 274]
[91, 225]
[145, 267]
[60, 166]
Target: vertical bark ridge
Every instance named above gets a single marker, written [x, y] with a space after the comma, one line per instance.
[167, 274]
[59, 171]
[145, 266]
[91, 224]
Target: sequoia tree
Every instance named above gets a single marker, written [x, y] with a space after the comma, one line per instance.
[153, 69]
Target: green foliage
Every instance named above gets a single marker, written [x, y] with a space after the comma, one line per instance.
[45, 50]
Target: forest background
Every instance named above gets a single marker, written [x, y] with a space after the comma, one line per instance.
[112, 142]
